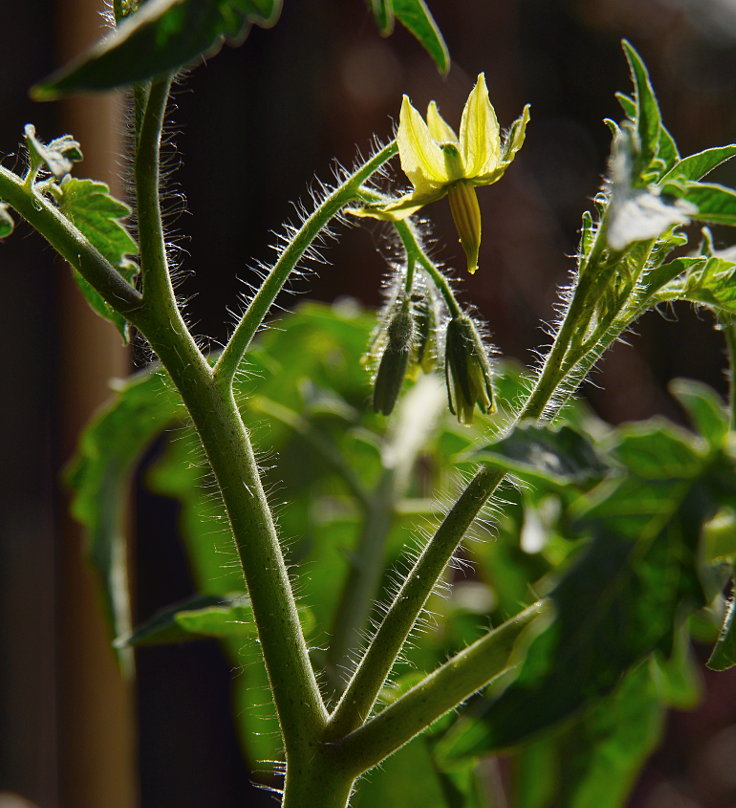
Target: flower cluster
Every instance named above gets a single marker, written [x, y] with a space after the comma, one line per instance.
[440, 163]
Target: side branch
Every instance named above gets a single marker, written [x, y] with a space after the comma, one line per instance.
[441, 691]
[71, 245]
[360, 695]
[234, 351]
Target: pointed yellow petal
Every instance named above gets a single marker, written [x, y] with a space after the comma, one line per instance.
[515, 138]
[421, 157]
[480, 140]
[438, 126]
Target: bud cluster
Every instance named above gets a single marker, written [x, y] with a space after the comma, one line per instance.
[409, 338]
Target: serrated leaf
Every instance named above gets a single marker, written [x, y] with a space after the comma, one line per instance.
[7, 224]
[697, 166]
[706, 410]
[96, 214]
[160, 37]
[416, 17]
[724, 652]
[561, 456]
[100, 476]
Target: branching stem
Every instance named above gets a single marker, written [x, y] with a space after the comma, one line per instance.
[256, 312]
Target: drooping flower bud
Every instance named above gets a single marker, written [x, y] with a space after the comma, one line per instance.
[424, 355]
[467, 370]
[395, 357]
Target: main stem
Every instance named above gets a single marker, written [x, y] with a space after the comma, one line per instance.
[227, 445]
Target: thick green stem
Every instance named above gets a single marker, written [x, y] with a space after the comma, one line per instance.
[441, 691]
[318, 781]
[230, 358]
[61, 234]
[227, 446]
[362, 690]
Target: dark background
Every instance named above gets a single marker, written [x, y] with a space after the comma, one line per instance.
[249, 132]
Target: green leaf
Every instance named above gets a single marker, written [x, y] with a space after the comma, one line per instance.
[595, 760]
[159, 38]
[91, 208]
[697, 166]
[716, 204]
[724, 653]
[228, 616]
[648, 119]
[100, 476]
[415, 16]
[623, 599]
[711, 283]
[654, 279]
[705, 408]
[7, 225]
[657, 450]
[383, 13]
[96, 213]
[390, 786]
[560, 456]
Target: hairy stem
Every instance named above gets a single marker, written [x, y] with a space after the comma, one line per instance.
[347, 192]
[441, 691]
[227, 445]
[415, 253]
[71, 245]
[360, 695]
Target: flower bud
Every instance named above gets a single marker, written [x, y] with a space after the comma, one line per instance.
[392, 367]
[425, 320]
[467, 371]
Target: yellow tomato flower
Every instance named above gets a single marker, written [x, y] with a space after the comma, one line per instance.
[439, 163]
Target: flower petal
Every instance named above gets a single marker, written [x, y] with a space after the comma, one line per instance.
[480, 139]
[438, 126]
[421, 158]
[515, 138]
